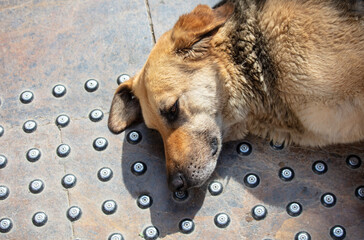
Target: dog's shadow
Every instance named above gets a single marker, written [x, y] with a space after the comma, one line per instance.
[306, 187]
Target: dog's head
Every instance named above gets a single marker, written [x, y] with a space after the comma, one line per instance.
[179, 93]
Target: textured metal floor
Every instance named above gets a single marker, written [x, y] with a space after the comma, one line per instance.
[45, 43]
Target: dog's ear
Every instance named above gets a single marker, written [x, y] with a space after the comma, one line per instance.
[192, 32]
[125, 108]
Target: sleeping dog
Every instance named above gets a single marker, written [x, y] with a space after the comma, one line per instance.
[288, 70]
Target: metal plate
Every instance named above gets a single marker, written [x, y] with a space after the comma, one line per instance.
[45, 43]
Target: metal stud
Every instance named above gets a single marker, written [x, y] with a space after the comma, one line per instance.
[91, 85]
[104, 174]
[63, 150]
[39, 219]
[134, 137]
[337, 232]
[222, 220]
[69, 181]
[96, 115]
[59, 90]
[186, 226]
[276, 145]
[100, 144]
[259, 212]
[138, 168]
[151, 233]
[4, 192]
[36, 186]
[74, 213]
[180, 195]
[122, 78]
[319, 167]
[302, 236]
[328, 200]
[1, 131]
[33, 155]
[353, 161]
[144, 201]
[286, 174]
[294, 209]
[109, 207]
[62, 120]
[215, 188]
[359, 192]
[26, 97]
[244, 148]
[115, 236]
[3, 161]
[29, 126]
[251, 180]
[5, 225]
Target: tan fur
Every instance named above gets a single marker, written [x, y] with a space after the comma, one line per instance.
[304, 84]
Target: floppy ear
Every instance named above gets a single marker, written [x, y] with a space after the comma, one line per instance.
[192, 32]
[125, 108]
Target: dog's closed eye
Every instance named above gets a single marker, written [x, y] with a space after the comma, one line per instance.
[172, 113]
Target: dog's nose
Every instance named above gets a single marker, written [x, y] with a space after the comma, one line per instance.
[177, 183]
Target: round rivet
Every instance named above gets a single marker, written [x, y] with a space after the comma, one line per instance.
[91, 85]
[109, 207]
[39, 219]
[33, 155]
[30, 126]
[353, 161]
[337, 232]
[26, 97]
[74, 213]
[122, 78]
[69, 181]
[63, 150]
[1, 131]
[244, 148]
[215, 188]
[319, 167]
[104, 174]
[302, 236]
[151, 233]
[251, 180]
[180, 195]
[294, 209]
[222, 220]
[186, 226]
[276, 145]
[36, 186]
[134, 137]
[138, 168]
[5, 225]
[328, 200]
[115, 236]
[62, 121]
[359, 192]
[3, 161]
[144, 201]
[286, 174]
[4, 192]
[59, 90]
[96, 115]
[259, 212]
[100, 144]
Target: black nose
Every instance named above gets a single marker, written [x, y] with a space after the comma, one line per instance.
[214, 146]
[177, 183]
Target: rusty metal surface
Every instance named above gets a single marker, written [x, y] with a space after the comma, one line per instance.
[44, 43]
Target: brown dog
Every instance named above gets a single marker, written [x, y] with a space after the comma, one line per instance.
[289, 70]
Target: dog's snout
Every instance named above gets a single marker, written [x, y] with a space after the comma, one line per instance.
[214, 146]
[177, 182]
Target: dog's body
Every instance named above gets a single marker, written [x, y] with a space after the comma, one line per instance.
[289, 70]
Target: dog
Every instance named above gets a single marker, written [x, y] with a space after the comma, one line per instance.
[288, 70]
